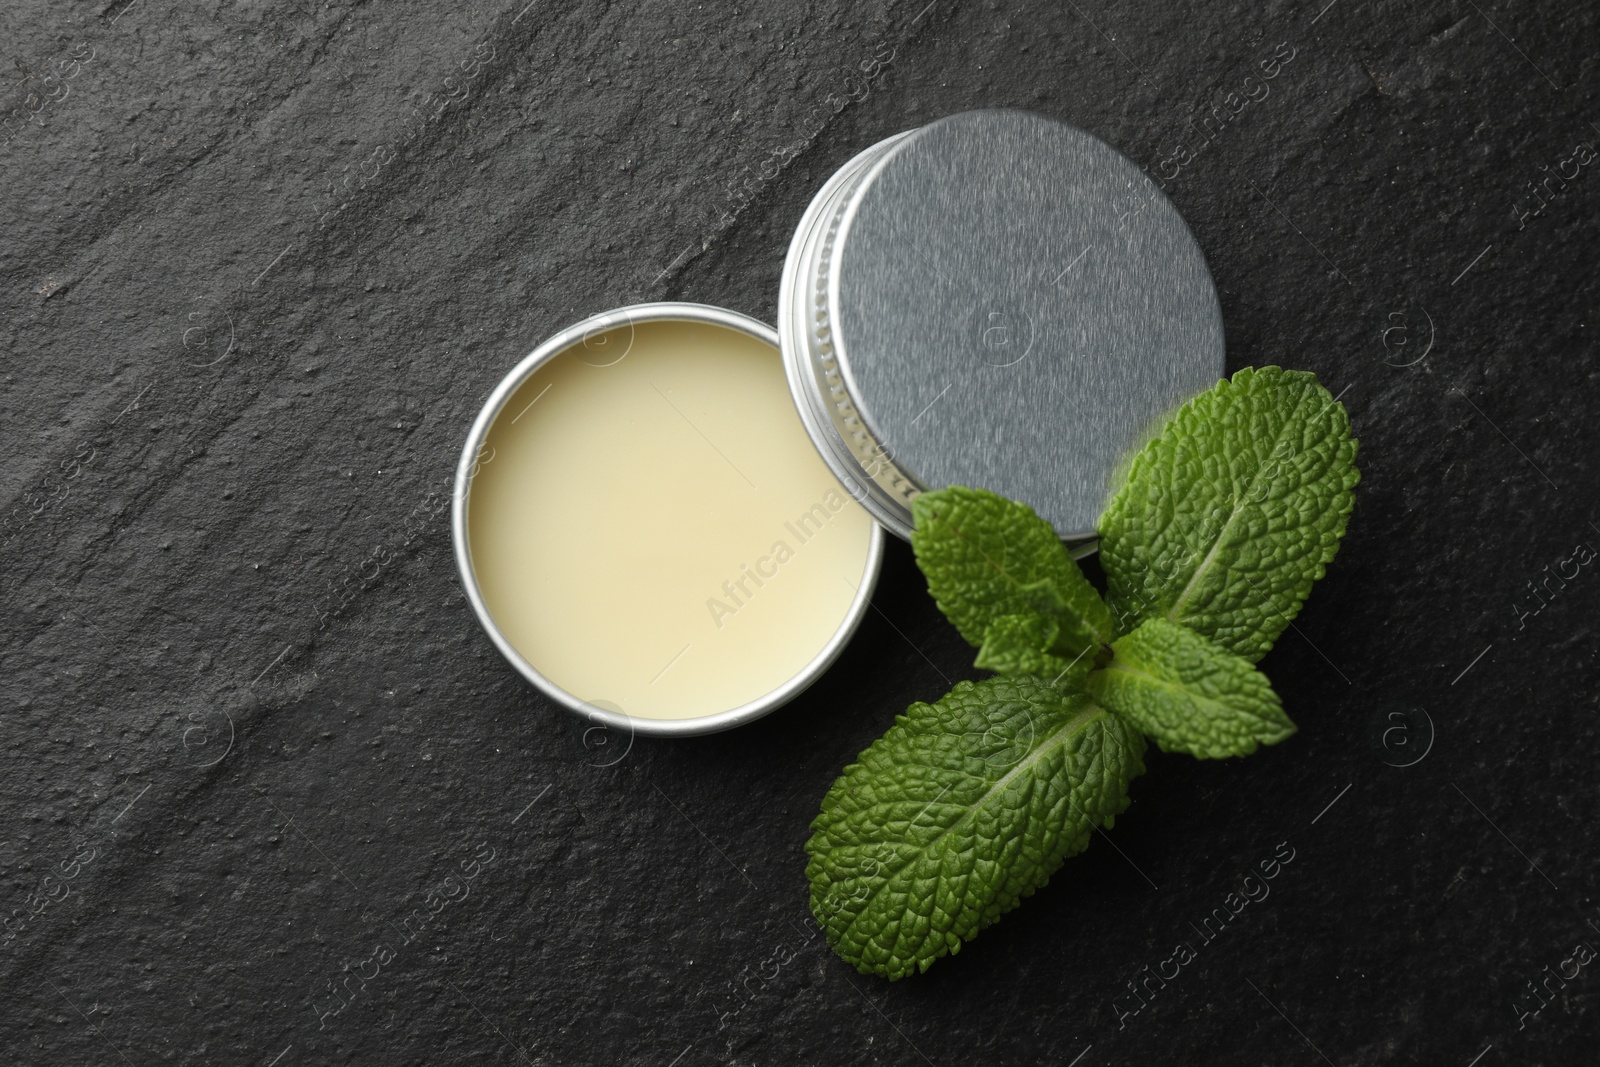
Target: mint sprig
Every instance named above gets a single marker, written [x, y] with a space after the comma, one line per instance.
[1210, 547]
[962, 809]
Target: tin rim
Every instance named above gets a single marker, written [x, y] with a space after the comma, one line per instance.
[566, 339]
[858, 456]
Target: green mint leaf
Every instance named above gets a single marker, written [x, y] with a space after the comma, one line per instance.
[1018, 644]
[1188, 695]
[1230, 514]
[986, 557]
[962, 809]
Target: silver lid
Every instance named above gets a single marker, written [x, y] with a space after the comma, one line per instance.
[996, 299]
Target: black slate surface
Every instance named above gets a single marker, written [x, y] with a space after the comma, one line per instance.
[262, 261]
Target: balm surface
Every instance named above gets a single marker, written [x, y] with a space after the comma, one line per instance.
[652, 529]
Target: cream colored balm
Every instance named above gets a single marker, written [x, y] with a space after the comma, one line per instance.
[652, 529]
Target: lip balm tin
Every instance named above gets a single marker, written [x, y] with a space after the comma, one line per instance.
[607, 338]
[996, 299]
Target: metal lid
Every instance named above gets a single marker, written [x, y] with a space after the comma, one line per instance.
[996, 299]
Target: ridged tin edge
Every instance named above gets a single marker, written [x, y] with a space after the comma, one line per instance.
[860, 459]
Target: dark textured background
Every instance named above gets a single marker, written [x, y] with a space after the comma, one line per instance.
[261, 263]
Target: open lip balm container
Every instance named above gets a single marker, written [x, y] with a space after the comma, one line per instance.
[670, 517]
[646, 531]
